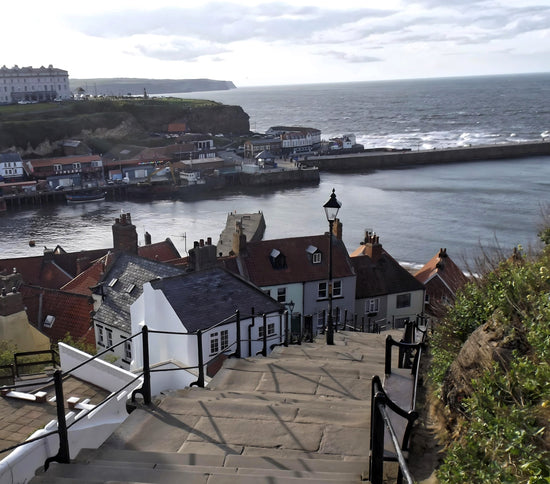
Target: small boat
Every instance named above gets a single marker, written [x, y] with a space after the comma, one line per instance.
[85, 197]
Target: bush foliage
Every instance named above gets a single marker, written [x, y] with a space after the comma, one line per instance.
[503, 435]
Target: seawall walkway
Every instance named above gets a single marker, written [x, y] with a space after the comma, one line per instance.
[379, 160]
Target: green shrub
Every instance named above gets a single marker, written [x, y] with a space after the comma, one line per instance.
[503, 434]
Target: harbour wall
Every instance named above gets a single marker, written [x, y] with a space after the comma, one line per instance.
[280, 177]
[396, 159]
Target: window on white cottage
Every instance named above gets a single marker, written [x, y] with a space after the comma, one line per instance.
[403, 300]
[224, 336]
[109, 336]
[372, 305]
[214, 343]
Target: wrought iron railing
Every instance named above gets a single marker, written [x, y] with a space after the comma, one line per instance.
[63, 454]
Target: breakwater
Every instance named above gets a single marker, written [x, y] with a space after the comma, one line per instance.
[374, 160]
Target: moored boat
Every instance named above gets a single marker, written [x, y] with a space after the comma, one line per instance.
[96, 196]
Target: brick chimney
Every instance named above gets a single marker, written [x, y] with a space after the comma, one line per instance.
[202, 255]
[239, 239]
[11, 301]
[125, 236]
[372, 246]
[441, 259]
[337, 228]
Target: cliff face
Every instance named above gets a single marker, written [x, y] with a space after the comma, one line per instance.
[37, 128]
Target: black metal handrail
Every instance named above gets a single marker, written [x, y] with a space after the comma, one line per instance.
[63, 454]
[381, 421]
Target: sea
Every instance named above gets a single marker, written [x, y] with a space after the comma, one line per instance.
[473, 209]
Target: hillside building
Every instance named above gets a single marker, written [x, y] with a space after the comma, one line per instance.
[29, 84]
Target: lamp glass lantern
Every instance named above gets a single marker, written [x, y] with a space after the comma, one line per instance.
[331, 207]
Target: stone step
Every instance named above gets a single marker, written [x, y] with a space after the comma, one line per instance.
[209, 395]
[159, 430]
[171, 460]
[307, 409]
[173, 474]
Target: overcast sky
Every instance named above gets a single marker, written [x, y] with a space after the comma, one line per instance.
[254, 42]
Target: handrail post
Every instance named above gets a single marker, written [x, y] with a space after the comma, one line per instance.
[238, 320]
[146, 367]
[145, 389]
[200, 381]
[63, 454]
[376, 467]
[387, 359]
[286, 329]
[264, 349]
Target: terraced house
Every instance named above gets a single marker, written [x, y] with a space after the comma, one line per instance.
[29, 84]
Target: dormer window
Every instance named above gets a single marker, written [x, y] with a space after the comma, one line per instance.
[277, 259]
[314, 254]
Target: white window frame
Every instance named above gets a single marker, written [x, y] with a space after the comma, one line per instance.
[109, 333]
[372, 305]
[214, 343]
[128, 350]
[281, 294]
[100, 336]
[224, 339]
[322, 290]
[316, 258]
[337, 288]
[399, 305]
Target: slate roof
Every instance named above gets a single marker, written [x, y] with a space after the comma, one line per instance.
[58, 269]
[256, 264]
[129, 273]
[381, 277]
[202, 299]
[72, 313]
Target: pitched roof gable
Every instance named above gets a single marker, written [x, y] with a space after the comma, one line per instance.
[442, 266]
[382, 276]
[71, 312]
[202, 299]
[257, 264]
[122, 283]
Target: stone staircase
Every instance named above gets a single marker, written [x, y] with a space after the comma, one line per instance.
[301, 414]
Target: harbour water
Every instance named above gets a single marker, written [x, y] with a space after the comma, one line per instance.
[463, 207]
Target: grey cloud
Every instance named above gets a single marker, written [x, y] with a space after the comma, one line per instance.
[352, 58]
[222, 22]
[178, 50]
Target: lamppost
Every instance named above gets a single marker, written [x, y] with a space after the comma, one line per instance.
[331, 211]
[290, 305]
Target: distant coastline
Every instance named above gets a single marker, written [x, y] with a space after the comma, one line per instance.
[135, 86]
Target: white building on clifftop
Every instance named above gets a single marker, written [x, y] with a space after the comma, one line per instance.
[28, 84]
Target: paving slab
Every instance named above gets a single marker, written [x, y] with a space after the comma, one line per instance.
[268, 434]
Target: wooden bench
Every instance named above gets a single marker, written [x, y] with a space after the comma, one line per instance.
[397, 391]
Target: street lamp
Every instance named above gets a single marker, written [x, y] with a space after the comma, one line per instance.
[290, 305]
[331, 211]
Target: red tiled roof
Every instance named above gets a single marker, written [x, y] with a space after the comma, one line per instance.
[299, 267]
[162, 251]
[51, 271]
[63, 160]
[82, 283]
[442, 266]
[71, 311]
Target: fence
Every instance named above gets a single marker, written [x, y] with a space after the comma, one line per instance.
[63, 453]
